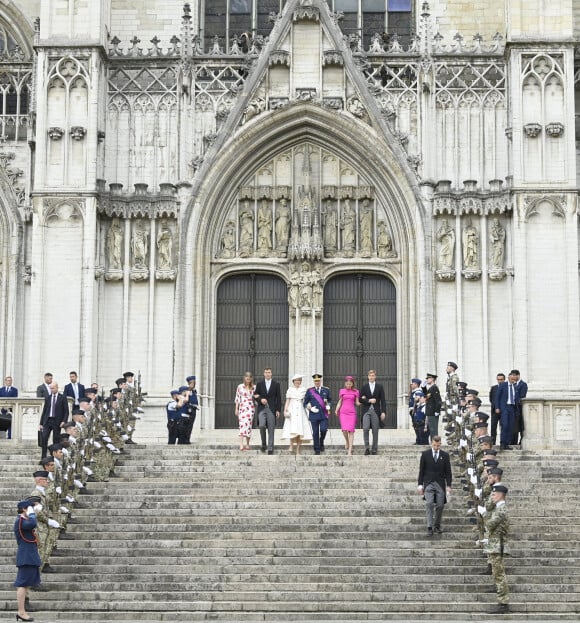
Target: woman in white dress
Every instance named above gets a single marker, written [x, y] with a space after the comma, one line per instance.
[296, 425]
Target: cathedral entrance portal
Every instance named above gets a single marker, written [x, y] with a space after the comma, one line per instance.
[360, 333]
[251, 334]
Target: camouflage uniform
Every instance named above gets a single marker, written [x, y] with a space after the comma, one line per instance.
[497, 527]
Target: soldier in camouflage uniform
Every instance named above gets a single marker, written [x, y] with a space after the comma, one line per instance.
[496, 545]
[46, 524]
[451, 388]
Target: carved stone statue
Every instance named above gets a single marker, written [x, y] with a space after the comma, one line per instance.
[139, 245]
[317, 287]
[348, 227]
[294, 287]
[228, 246]
[446, 238]
[497, 244]
[305, 286]
[246, 230]
[366, 229]
[114, 244]
[330, 228]
[264, 229]
[165, 247]
[283, 222]
[384, 241]
[470, 247]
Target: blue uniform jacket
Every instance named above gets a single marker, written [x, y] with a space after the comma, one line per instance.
[27, 554]
[310, 399]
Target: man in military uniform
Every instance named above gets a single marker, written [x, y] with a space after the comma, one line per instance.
[451, 388]
[317, 402]
[432, 405]
[496, 545]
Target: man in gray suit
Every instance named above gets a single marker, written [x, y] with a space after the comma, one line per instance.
[43, 390]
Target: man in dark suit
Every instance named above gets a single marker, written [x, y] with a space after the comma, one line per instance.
[432, 405]
[521, 393]
[372, 397]
[43, 390]
[8, 391]
[74, 389]
[506, 401]
[269, 399]
[500, 378]
[317, 403]
[54, 414]
[434, 483]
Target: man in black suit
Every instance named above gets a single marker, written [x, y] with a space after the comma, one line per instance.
[269, 399]
[54, 414]
[434, 483]
[500, 378]
[372, 397]
[74, 389]
[43, 390]
[432, 405]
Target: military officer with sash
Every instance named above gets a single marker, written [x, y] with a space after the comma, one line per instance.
[317, 402]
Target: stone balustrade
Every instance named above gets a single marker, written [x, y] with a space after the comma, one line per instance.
[551, 423]
[26, 414]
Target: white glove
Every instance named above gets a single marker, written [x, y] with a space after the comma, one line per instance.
[470, 471]
[124, 436]
[463, 443]
[129, 428]
[107, 439]
[455, 408]
[82, 452]
[484, 541]
[97, 445]
[473, 480]
[87, 470]
[481, 510]
[477, 493]
[469, 456]
[30, 511]
[139, 410]
[111, 447]
[37, 508]
[78, 483]
[64, 509]
[468, 433]
[314, 409]
[65, 451]
[53, 524]
[58, 490]
[69, 498]
[458, 419]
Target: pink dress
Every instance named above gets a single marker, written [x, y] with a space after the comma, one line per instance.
[246, 407]
[347, 412]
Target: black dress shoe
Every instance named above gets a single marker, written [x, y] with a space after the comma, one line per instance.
[85, 491]
[48, 569]
[374, 452]
[367, 452]
[429, 531]
[438, 530]
[321, 447]
[66, 537]
[500, 609]
[270, 451]
[263, 449]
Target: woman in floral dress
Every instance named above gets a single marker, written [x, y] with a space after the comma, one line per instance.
[245, 408]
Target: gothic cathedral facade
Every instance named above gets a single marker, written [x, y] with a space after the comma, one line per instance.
[313, 185]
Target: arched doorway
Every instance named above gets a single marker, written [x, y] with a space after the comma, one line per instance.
[360, 333]
[251, 334]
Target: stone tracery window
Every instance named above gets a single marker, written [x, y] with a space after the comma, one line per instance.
[227, 19]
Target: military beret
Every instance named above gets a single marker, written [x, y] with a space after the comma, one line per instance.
[491, 452]
[490, 462]
[54, 447]
[191, 377]
[41, 473]
[69, 425]
[416, 381]
[462, 384]
[183, 388]
[485, 439]
[90, 390]
[121, 380]
[46, 460]
[483, 417]
[452, 364]
[84, 399]
[127, 375]
[430, 375]
[476, 402]
[77, 411]
[499, 489]
[472, 392]
[480, 425]
[496, 471]
[173, 392]
[317, 377]
[115, 390]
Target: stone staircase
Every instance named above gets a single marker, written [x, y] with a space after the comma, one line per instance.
[197, 533]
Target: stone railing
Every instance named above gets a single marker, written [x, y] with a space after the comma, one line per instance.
[26, 414]
[551, 423]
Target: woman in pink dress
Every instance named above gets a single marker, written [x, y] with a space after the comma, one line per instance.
[346, 411]
[245, 407]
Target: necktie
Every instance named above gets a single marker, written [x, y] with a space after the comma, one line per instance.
[53, 406]
[318, 390]
[511, 394]
[435, 456]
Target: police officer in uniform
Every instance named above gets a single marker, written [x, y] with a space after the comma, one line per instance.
[317, 402]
